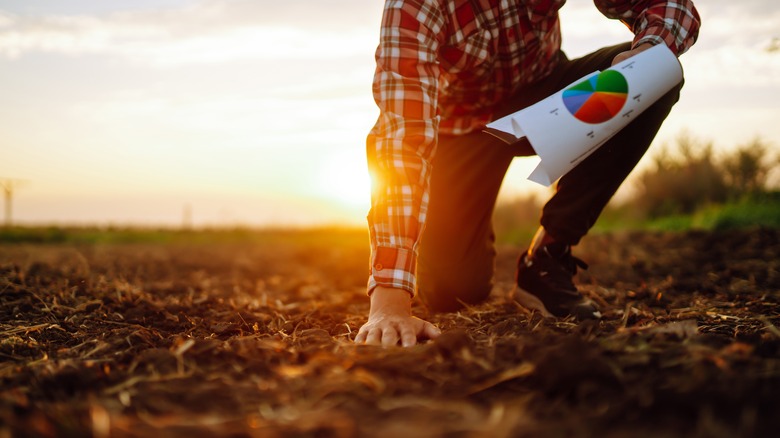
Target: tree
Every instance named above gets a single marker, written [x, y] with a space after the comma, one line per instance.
[747, 168]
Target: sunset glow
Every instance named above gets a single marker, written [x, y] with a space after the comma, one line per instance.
[344, 178]
[256, 112]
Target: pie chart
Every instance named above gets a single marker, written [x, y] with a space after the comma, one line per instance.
[598, 98]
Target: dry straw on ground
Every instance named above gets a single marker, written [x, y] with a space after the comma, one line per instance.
[254, 339]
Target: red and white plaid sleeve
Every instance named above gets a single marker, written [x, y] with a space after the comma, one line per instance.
[402, 143]
[674, 23]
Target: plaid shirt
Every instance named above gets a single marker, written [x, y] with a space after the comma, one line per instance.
[442, 66]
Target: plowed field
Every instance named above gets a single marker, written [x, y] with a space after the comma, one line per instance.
[252, 337]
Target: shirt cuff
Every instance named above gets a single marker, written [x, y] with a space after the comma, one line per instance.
[393, 267]
[657, 35]
[653, 40]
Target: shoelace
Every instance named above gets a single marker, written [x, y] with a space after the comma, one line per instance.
[566, 259]
[557, 271]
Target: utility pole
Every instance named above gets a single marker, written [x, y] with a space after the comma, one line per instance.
[9, 185]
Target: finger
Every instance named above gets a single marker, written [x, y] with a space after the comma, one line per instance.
[430, 331]
[408, 336]
[361, 336]
[620, 58]
[374, 336]
[390, 337]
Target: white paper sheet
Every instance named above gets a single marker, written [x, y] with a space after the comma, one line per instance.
[568, 126]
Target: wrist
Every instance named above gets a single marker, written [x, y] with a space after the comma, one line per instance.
[390, 300]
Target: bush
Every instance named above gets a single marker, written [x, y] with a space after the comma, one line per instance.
[747, 169]
[678, 185]
[694, 178]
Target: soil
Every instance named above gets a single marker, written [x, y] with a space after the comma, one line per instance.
[253, 338]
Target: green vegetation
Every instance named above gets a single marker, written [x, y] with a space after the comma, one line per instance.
[96, 235]
[516, 221]
[686, 187]
[695, 189]
[757, 210]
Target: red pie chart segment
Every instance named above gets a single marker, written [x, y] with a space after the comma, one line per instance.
[598, 98]
[594, 110]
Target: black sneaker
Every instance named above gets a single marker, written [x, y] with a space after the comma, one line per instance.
[545, 283]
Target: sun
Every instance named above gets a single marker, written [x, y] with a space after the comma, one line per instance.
[343, 178]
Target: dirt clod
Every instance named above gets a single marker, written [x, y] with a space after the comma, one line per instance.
[255, 339]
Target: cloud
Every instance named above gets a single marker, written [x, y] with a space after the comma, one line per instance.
[6, 19]
[734, 24]
[70, 35]
[750, 7]
[731, 50]
[208, 31]
[331, 15]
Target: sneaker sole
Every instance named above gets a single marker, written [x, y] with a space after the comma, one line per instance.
[531, 302]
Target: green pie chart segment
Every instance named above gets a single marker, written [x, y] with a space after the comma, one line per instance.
[598, 98]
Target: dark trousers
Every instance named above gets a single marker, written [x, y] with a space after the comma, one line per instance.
[456, 253]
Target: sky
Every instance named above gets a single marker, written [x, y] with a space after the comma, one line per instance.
[255, 112]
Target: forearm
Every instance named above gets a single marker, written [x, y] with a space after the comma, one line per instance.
[397, 216]
[675, 24]
[402, 144]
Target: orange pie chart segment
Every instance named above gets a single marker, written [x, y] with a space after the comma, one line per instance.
[598, 98]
